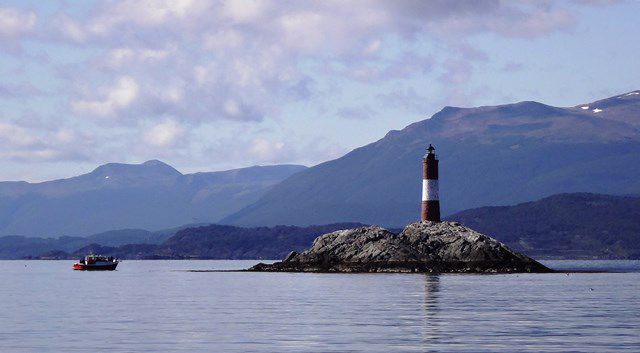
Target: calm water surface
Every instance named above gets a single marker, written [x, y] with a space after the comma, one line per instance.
[149, 306]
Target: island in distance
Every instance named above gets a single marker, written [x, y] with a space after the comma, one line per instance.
[429, 247]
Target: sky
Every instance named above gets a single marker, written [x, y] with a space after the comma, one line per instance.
[214, 85]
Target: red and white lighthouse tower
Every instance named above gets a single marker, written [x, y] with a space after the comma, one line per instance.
[430, 198]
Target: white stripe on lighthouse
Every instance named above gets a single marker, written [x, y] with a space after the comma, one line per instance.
[430, 190]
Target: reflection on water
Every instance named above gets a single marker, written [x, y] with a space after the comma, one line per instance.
[430, 310]
[148, 306]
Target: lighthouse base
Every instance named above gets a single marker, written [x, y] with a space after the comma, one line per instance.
[430, 211]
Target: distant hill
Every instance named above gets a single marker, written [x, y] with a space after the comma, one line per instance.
[127, 236]
[214, 242]
[151, 195]
[492, 155]
[18, 247]
[566, 226]
[13, 247]
[578, 225]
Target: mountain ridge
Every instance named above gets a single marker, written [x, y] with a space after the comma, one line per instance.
[578, 225]
[562, 226]
[491, 155]
[150, 195]
[212, 241]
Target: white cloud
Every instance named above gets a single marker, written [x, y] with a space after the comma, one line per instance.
[15, 135]
[242, 11]
[164, 134]
[241, 60]
[268, 148]
[114, 98]
[173, 94]
[65, 136]
[33, 144]
[68, 28]
[305, 30]
[125, 56]
[143, 13]
[231, 107]
[160, 69]
[223, 40]
[15, 23]
[265, 150]
[373, 47]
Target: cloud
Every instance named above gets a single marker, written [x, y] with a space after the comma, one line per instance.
[31, 145]
[113, 99]
[408, 65]
[456, 72]
[245, 11]
[122, 56]
[239, 60]
[112, 16]
[265, 150]
[20, 90]
[359, 113]
[405, 98]
[525, 19]
[16, 23]
[142, 77]
[263, 146]
[164, 134]
[16, 136]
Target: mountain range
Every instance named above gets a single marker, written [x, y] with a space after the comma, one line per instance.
[19, 246]
[212, 242]
[490, 155]
[151, 196]
[579, 225]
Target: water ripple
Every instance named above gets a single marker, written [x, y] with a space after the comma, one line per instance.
[147, 306]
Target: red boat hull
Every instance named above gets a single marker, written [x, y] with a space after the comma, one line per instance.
[83, 267]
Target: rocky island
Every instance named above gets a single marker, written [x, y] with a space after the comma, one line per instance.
[428, 247]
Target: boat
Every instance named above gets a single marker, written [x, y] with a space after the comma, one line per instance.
[96, 263]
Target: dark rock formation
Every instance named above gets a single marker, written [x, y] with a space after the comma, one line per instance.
[420, 247]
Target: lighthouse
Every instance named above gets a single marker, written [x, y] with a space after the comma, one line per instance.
[430, 198]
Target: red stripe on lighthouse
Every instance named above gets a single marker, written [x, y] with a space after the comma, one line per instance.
[430, 189]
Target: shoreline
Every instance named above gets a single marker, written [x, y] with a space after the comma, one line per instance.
[413, 273]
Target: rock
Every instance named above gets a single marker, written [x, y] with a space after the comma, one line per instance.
[290, 256]
[445, 247]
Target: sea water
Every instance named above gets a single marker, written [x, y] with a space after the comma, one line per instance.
[155, 306]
